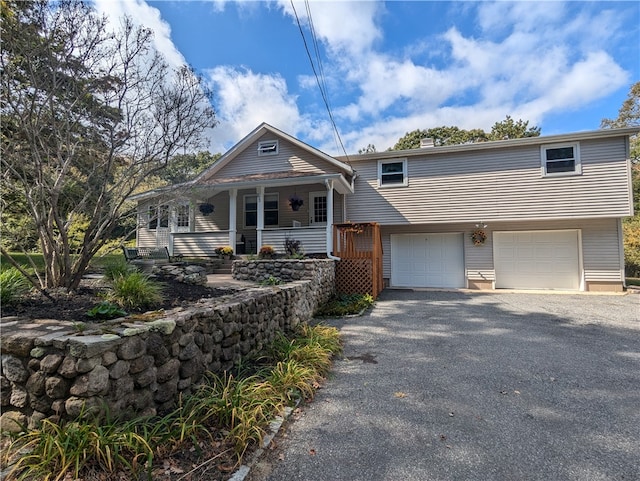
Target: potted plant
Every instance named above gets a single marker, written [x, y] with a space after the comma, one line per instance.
[206, 208]
[478, 237]
[295, 202]
[225, 252]
[266, 252]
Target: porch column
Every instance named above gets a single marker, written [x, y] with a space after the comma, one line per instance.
[260, 224]
[233, 196]
[329, 184]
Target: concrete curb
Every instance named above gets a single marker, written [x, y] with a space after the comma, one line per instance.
[274, 428]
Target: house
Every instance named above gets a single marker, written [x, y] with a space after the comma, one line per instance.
[531, 213]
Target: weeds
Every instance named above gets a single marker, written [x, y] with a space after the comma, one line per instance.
[106, 310]
[345, 304]
[271, 281]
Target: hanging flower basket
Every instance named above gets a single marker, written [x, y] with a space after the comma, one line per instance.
[295, 202]
[478, 237]
[206, 209]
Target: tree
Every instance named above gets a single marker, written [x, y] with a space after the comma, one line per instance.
[184, 167]
[510, 129]
[88, 115]
[629, 116]
[369, 149]
[505, 129]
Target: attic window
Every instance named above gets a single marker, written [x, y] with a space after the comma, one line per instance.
[268, 147]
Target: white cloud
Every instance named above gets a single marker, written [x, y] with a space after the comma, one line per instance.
[245, 99]
[345, 26]
[524, 59]
[143, 14]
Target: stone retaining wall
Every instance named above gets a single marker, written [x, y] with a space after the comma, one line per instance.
[138, 365]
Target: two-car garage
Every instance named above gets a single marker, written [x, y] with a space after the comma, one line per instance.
[543, 259]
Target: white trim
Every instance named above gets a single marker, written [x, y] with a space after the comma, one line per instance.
[544, 162]
[312, 210]
[405, 173]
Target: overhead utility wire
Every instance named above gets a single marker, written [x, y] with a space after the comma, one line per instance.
[315, 73]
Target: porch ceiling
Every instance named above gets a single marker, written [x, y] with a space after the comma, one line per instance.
[274, 179]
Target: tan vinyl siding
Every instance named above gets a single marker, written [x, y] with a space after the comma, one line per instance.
[600, 245]
[219, 219]
[496, 184]
[199, 244]
[289, 157]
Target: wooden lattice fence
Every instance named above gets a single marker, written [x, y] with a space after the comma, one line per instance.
[359, 247]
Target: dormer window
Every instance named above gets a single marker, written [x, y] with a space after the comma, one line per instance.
[561, 159]
[268, 147]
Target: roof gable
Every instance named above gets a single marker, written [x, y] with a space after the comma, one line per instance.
[264, 131]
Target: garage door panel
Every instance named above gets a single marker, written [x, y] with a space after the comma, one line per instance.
[427, 260]
[537, 260]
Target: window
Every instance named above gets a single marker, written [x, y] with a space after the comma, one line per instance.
[271, 205]
[158, 213]
[271, 209]
[182, 215]
[268, 147]
[561, 160]
[392, 173]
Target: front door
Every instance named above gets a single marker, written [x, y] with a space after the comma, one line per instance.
[318, 209]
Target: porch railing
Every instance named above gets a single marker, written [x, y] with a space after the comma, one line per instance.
[312, 239]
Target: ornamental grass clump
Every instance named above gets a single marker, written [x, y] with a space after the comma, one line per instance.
[54, 452]
[13, 285]
[136, 291]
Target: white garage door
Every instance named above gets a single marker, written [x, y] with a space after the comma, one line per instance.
[427, 260]
[537, 259]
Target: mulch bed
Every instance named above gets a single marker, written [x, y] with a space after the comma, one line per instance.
[73, 306]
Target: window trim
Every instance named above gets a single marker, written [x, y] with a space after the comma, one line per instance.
[405, 173]
[264, 200]
[268, 147]
[577, 166]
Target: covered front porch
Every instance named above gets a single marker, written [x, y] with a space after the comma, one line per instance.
[252, 211]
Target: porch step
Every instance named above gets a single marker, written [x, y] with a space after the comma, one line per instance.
[221, 267]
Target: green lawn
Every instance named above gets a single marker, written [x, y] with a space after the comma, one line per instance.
[22, 259]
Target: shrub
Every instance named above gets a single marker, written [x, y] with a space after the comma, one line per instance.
[136, 291]
[293, 248]
[266, 252]
[12, 285]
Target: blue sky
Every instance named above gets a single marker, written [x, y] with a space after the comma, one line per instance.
[393, 67]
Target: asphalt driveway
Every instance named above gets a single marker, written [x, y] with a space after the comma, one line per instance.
[460, 386]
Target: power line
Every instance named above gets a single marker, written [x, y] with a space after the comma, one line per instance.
[321, 83]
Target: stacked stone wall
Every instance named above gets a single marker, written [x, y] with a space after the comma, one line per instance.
[138, 366]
